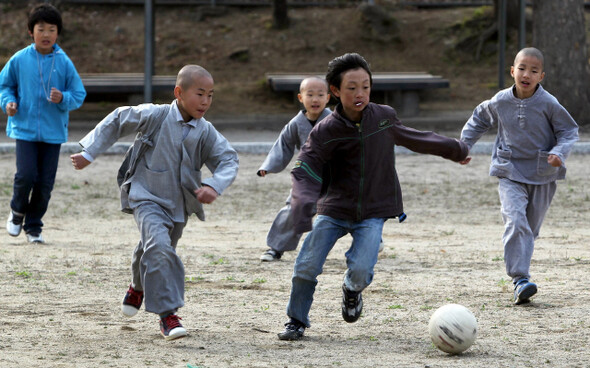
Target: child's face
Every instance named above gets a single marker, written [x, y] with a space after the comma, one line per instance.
[527, 72]
[45, 36]
[314, 96]
[354, 93]
[194, 101]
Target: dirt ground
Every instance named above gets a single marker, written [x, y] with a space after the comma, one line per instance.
[60, 302]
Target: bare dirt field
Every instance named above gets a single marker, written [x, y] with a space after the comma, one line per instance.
[60, 302]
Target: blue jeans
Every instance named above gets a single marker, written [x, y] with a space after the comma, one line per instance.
[36, 166]
[361, 258]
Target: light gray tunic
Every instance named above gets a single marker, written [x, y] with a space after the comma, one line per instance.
[529, 130]
[170, 171]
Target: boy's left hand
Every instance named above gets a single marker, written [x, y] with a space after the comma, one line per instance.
[206, 194]
[55, 96]
[554, 160]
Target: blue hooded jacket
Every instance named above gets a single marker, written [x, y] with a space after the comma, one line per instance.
[37, 119]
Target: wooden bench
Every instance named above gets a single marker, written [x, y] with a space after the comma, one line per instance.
[130, 85]
[400, 90]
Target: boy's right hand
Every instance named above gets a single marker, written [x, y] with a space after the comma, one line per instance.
[261, 173]
[11, 108]
[466, 161]
[78, 161]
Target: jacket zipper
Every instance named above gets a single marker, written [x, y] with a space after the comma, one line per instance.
[362, 179]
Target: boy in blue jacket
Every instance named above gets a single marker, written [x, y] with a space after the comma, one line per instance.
[38, 87]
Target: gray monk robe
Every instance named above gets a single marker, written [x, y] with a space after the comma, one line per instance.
[281, 236]
[161, 191]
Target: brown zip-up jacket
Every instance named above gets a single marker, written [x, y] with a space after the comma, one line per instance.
[348, 168]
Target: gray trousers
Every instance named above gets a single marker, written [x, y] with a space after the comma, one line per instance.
[156, 268]
[281, 236]
[523, 208]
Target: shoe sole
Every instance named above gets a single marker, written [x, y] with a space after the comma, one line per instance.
[128, 310]
[526, 294]
[176, 333]
[289, 338]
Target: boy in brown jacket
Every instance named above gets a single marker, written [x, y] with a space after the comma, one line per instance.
[347, 168]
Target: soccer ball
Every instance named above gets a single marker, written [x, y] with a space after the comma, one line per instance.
[452, 328]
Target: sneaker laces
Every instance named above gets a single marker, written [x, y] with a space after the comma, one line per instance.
[351, 299]
[133, 296]
[172, 321]
[293, 325]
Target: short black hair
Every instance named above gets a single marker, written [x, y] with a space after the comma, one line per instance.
[44, 13]
[344, 63]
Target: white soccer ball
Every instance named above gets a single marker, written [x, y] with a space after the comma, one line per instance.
[452, 328]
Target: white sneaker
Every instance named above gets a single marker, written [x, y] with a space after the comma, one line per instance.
[35, 238]
[13, 228]
[271, 255]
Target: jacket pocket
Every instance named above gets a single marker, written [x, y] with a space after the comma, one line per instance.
[156, 182]
[502, 162]
[543, 167]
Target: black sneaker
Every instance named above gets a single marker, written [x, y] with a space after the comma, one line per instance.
[271, 255]
[352, 304]
[132, 302]
[293, 330]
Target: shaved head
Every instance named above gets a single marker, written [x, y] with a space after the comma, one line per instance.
[532, 52]
[189, 73]
[304, 83]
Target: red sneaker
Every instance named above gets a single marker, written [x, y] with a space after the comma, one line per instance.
[171, 328]
[132, 302]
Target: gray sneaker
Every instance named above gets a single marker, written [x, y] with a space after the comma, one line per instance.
[352, 304]
[293, 330]
[14, 224]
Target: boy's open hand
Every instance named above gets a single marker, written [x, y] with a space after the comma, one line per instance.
[554, 160]
[11, 108]
[78, 161]
[206, 194]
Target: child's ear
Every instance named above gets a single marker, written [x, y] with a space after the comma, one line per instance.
[512, 71]
[335, 91]
[177, 92]
[300, 97]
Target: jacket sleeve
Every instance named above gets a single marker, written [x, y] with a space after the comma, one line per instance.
[119, 123]
[222, 160]
[565, 130]
[8, 84]
[74, 93]
[430, 143]
[482, 119]
[282, 150]
[306, 178]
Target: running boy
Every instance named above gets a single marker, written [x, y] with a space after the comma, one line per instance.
[314, 95]
[347, 167]
[535, 136]
[38, 87]
[165, 186]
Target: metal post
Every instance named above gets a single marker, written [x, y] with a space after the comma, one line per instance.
[522, 25]
[501, 42]
[149, 50]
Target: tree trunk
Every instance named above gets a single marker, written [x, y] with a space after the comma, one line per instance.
[280, 18]
[559, 32]
[512, 12]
